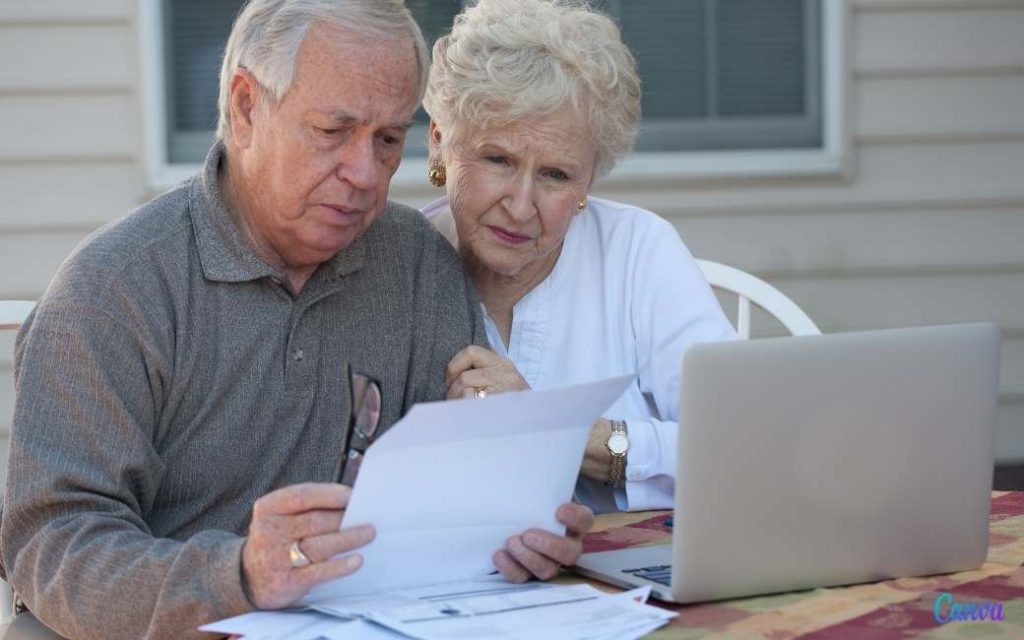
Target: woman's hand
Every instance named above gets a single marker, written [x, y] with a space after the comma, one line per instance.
[597, 458]
[541, 554]
[476, 368]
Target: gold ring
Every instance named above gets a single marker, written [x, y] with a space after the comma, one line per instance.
[480, 392]
[296, 556]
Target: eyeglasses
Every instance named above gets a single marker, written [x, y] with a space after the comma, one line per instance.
[366, 405]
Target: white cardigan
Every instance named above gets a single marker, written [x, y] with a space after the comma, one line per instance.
[625, 296]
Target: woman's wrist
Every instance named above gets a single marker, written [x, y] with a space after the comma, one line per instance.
[597, 457]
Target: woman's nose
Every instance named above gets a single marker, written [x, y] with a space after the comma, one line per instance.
[520, 201]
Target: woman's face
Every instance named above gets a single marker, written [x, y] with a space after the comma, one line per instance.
[515, 189]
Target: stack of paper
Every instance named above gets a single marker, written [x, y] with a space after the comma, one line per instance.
[485, 608]
[477, 472]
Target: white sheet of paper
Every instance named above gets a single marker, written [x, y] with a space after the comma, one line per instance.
[299, 625]
[488, 607]
[575, 612]
[267, 624]
[450, 482]
[363, 604]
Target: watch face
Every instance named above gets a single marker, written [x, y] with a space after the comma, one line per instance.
[618, 444]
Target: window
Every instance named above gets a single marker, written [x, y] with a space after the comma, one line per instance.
[743, 79]
[725, 74]
[195, 32]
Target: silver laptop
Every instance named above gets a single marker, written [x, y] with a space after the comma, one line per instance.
[825, 460]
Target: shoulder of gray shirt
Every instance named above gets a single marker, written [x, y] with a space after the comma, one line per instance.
[126, 255]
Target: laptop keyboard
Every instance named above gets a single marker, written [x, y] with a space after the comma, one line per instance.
[662, 573]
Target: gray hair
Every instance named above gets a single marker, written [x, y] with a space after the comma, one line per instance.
[512, 60]
[267, 34]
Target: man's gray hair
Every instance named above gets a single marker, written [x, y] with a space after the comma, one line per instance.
[514, 60]
[267, 34]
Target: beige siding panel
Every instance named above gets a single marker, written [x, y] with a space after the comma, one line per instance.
[846, 304]
[64, 10]
[6, 400]
[68, 126]
[28, 261]
[51, 196]
[6, 350]
[919, 41]
[65, 57]
[896, 108]
[935, 5]
[1009, 435]
[5, 443]
[1013, 361]
[883, 175]
[861, 241]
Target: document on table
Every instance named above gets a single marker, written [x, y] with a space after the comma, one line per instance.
[542, 612]
[450, 482]
[299, 625]
[484, 608]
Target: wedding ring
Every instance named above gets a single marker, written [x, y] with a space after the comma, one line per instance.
[296, 556]
[480, 392]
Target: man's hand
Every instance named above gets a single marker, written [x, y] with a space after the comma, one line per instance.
[309, 514]
[541, 553]
[480, 368]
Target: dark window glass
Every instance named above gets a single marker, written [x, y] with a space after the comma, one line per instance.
[717, 74]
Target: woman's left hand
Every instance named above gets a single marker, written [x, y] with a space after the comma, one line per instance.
[475, 368]
[541, 554]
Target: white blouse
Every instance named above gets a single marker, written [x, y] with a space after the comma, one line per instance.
[625, 297]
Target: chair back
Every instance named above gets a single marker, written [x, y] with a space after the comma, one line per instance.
[14, 312]
[12, 315]
[751, 289]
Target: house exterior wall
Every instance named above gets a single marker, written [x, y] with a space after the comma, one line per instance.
[925, 226]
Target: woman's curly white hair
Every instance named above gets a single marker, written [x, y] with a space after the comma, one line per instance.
[512, 60]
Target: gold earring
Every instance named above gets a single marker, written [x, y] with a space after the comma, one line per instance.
[436, 175]
[582, 204]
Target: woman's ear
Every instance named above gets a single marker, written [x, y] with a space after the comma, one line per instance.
[434, 137]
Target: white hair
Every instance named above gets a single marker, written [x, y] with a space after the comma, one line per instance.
[513, 60]
[267, 34]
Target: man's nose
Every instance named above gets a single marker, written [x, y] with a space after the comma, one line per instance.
[358, 163]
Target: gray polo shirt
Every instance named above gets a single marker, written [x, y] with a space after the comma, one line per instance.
[168, 378]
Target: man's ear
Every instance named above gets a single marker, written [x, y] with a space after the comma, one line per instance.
[244, 98]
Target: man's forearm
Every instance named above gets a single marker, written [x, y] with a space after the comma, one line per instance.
[92, 577]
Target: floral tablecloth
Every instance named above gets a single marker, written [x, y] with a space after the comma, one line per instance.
[903, 608]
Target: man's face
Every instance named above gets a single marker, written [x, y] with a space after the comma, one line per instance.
[317, 165]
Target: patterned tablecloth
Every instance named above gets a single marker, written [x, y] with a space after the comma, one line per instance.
[902, 608]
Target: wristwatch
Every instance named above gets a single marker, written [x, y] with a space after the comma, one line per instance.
[618, 446]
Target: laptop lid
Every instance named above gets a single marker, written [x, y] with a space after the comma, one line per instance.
[833, 459]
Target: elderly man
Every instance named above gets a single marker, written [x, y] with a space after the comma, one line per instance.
[196, 355]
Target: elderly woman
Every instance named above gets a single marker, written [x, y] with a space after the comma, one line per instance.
[530, 103]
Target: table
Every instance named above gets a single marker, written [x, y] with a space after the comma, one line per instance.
[879, 611]
[901, 608]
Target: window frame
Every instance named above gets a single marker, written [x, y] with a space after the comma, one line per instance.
[830, 160]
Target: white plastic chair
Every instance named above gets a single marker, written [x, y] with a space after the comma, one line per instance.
[750, 289]
[12, 314]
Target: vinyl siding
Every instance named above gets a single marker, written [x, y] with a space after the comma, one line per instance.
[925, 227]
[70, 142]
